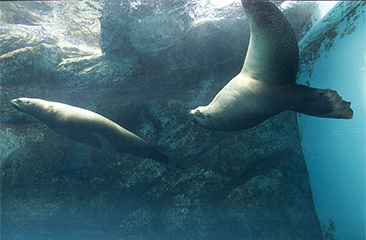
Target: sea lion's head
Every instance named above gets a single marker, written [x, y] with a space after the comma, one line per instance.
[32, 106]
[23, 104]
[201, 117]
[207, 117]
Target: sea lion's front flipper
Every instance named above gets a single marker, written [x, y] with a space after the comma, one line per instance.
[273, 54]
[320, 103]
[81, 136]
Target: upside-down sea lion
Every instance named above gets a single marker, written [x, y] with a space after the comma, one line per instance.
[81, 125]
[266, 85]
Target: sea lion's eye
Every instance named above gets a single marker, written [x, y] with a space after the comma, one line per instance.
[198, 113]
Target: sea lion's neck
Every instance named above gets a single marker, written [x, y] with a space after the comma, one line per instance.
[44, 113]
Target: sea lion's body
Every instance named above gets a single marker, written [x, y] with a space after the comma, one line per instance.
[266, 85]
[81, 125]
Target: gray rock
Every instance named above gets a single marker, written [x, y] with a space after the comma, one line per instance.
[310, 16]
[13, 37]
[68, 25]
[114, 34]
[75, 73]
[155, 33]
[29, 65]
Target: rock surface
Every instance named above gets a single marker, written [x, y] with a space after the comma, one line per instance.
[250, 184]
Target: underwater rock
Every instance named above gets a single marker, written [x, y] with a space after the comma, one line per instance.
[69, 50]
[214, 42]
[17, 67]
[16, 138]
[23, 66]
[13, 37]
[309, 12]
[64, 24]
[107, 73]
[47, 57]
[154, 33]
[114, 34]
[77, 23]
[34, 13]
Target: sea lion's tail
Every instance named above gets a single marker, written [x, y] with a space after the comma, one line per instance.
[320, 103]
[152, 153]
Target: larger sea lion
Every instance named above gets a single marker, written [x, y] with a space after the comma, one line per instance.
[266, 85]
[81, 125]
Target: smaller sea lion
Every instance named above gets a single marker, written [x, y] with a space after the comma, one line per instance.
[81, 125]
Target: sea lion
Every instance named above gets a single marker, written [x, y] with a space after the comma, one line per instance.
[266, 85]
[81, 125]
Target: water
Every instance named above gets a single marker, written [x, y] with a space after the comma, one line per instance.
[144, 65]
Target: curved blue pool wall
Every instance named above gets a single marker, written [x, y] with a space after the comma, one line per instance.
[333, 56]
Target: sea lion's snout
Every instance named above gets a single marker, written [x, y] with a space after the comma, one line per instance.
[191, 115]
[15, 103]
[21, 103]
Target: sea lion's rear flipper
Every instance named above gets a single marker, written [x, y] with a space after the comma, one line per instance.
[175, 165]
[320, 103]
[152, 153]
[170, 163]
